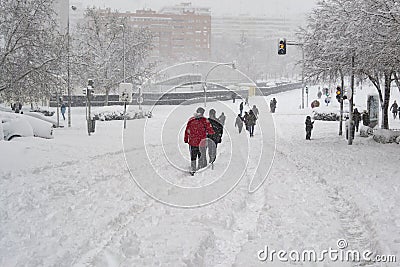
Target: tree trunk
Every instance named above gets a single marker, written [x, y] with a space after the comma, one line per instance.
[385, 104]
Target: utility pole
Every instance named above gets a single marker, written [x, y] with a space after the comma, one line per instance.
[68, 69]
[123, 49]
[89, 92]
[350, 96]
[341, 106]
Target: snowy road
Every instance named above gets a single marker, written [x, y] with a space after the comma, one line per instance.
[72, 202]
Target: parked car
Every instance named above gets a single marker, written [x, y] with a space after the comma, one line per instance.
[17, 127]
[20, 125]
[43, 117]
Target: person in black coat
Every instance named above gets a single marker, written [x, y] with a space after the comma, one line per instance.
[241, 108]
[216, 138]
[239, 123]
[309, 127]
[356, 118]
[365, 118]
[251, 122]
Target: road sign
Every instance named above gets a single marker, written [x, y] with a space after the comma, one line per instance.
[139, 100]
[125, 92]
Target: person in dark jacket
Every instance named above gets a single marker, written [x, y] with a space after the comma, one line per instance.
[245, 120]
[356, 118]
[365, 118]
[196, 132]
[241, 109]
[239, 123]
[251, 122]
[222, 118]
[216, 138]
[394, 108]
[309, 127]
[255, 110]
[63, 109]
[272, 105]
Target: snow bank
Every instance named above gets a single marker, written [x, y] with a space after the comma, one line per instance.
[386, 136]
[1, 131]
[365, 131]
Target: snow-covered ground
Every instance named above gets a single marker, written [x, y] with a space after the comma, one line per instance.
[71, 201]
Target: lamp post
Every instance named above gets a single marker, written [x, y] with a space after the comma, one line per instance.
[123, 68]
[68, 69]
[123, 50]
[232, 64]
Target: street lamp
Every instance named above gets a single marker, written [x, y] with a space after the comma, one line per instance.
[68, 70]
[123, 48]
[232, 64]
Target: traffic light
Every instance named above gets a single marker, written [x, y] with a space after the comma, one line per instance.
[339, 93]
[282, 47]
[90, 83]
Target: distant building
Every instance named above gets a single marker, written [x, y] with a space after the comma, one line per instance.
[181, 32]
[261, 28]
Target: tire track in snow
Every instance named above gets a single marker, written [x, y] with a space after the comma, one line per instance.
[358, 229]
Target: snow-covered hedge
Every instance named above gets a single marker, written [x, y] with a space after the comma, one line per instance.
[119, 115]
[325, 116]
[398, 140]
[44, 112]
[386, 136]
[366, 131]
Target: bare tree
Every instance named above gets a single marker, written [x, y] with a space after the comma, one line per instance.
[366, 30]
[99, 49]
[29, 49]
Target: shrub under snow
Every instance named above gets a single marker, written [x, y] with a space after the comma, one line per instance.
[325, 116]
[119, 115]
[386, 136]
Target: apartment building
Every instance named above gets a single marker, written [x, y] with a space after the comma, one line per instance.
[181, 32]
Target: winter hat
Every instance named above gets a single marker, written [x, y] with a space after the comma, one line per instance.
[200, 110]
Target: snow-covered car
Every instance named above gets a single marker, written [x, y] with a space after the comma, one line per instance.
[19, 125]
[41, 116]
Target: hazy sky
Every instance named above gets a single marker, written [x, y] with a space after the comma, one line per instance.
[218, 7]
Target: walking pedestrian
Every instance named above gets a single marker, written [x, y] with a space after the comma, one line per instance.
[309, 127]
[394, 108]
[241, 108]
[239, 123]
[196, 132]
[222, 118]
[272, 105]
[251, 122]
[357, 118]
[214, 139]
[63, 108]
[246, 120]
[365, 118]
[255, 110]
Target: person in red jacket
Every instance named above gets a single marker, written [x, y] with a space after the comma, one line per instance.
[196, 132]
